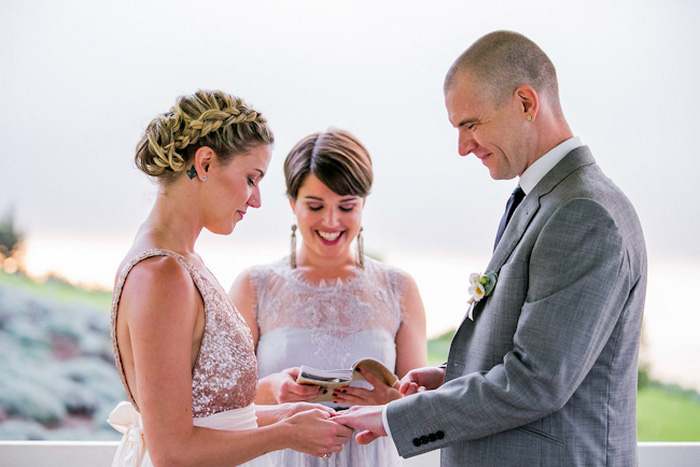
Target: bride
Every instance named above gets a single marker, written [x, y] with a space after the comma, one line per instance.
[327, 306]
[185, 355]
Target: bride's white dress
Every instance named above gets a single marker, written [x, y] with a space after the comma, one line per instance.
[329, 325]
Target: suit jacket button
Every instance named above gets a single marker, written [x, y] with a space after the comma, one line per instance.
[416, 442]
[424, 440]
[440, 434]
[432, 437]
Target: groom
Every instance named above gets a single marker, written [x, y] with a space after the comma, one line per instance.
[544, 370]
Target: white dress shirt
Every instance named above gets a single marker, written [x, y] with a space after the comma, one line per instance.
[536, 172]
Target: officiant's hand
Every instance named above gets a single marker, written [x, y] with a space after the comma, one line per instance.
[381, 394]
[422, 379]
[283, 387]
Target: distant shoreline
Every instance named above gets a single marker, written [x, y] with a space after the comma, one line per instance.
[671, 323]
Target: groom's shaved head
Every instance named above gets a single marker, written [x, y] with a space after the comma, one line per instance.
[502, 61]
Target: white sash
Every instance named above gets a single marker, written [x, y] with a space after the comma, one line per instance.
[132, 451]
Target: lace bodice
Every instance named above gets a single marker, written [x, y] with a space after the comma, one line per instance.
[334, 311]
[225, 372]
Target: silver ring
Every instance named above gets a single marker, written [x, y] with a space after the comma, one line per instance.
[326, 455]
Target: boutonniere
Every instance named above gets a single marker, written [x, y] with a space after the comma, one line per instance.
[480, 286]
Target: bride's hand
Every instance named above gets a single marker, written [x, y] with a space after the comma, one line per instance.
[314, 432]
[380, 395]
[292, 408]
[284, 387]
[269, 414]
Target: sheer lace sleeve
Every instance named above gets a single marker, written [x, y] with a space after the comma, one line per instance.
[256, 279]
[397, 281]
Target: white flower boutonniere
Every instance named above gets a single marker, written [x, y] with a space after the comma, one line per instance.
[480, 286]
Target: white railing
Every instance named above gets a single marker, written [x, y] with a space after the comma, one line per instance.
[99, 453]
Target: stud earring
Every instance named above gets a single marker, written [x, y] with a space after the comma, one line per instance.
[529, 118]
[293, 255]
[204, 178]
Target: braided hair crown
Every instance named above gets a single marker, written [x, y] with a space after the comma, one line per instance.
[215, 119]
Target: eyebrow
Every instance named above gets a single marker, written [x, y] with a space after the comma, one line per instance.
[467, 121]
[344, 200]
[262, 172]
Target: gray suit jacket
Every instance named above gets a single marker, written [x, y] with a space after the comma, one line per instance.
[546, 374]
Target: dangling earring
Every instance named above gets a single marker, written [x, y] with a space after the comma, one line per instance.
[293, 256]
[360, 249]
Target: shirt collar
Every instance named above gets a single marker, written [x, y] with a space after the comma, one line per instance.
[536, 172]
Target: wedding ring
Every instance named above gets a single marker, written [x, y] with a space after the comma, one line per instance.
[326, 456]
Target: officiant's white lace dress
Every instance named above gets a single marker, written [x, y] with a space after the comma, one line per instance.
[328, 325]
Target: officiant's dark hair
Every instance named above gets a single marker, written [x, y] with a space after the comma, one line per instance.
[336, 158]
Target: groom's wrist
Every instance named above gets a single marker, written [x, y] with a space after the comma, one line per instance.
[385, 421]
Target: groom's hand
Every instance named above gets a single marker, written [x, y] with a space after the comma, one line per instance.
[422, 379]
[368, 419]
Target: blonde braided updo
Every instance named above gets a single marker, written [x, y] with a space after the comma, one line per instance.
[215, 119]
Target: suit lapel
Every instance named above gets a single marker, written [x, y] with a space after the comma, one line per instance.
[514, 232]
[524, 214]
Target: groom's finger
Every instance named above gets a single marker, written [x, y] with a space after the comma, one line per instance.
[366, 437]
[407, 388]
[345, 418]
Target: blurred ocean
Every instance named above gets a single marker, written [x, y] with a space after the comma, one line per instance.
[670, 343]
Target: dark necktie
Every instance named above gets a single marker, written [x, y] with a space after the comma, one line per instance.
[515, 198]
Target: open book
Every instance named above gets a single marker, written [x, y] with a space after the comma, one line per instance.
[334, 379]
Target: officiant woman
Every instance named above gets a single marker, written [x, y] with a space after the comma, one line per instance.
[327, 305]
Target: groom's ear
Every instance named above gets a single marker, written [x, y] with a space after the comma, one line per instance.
[529, 101]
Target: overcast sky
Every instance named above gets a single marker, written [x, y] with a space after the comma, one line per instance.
[79, 81]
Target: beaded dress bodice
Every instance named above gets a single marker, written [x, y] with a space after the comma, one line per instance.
[225, 374]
